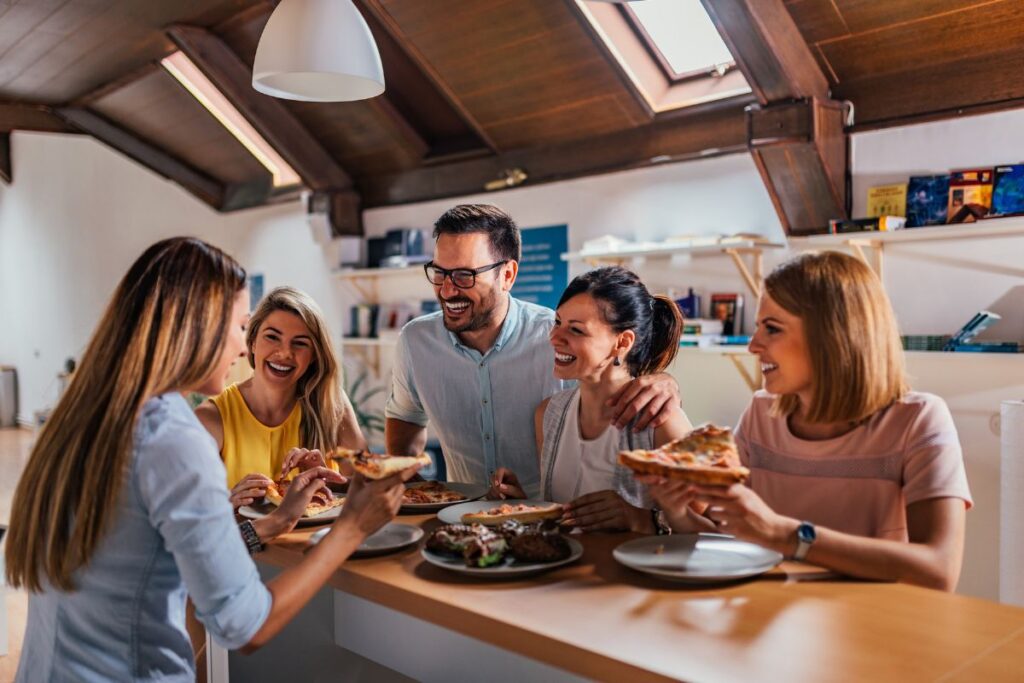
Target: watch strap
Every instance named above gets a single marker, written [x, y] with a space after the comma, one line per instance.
[251, 538]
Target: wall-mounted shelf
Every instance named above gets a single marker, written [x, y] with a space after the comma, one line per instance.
[739, 356]
[860, 242]
[737, 249]
[364, 280]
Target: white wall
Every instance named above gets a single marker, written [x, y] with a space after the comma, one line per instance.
[76, 217]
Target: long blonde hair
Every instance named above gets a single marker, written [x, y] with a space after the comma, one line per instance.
[852, 337]
[318, 389]
[163, 330]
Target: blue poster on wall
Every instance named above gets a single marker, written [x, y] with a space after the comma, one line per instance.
[543, 275]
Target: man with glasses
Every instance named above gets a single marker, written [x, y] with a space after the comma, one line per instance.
[477, 369]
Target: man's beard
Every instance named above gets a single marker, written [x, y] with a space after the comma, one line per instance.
[481, 312]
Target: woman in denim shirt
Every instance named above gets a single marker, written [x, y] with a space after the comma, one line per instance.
[122, 508]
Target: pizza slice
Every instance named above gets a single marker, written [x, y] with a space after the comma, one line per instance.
[322, 500]
[521, 512]
[429, 493]
[707, 455]
[378, 466]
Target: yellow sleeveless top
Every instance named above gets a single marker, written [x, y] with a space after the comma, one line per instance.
[249, 445]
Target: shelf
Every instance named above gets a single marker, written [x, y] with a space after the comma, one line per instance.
[364, 273]
[737, 249]
[858, 242]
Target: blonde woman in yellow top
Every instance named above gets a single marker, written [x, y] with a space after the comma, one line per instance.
[292, 410]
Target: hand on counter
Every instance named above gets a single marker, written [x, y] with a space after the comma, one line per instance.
[606, 511]
[505, 484]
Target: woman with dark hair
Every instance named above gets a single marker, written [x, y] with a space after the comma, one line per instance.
[122, 508]
[608, 330]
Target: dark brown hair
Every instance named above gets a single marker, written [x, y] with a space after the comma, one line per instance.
[499, 227]
[626, 304]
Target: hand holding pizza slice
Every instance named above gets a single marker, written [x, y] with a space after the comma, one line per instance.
[707, 455]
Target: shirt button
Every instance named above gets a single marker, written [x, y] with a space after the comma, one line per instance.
[485, 401]
[487, 437]
[481, 363]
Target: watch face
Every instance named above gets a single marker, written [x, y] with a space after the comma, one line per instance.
[806, 533]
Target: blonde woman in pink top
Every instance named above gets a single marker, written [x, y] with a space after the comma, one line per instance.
[850, 470]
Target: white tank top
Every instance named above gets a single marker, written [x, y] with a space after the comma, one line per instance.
[583, 465]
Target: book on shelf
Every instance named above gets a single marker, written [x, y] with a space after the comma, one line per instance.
[839, 226]
[887, 200]
[728, 307]
[927, 200]
[978, 323]
[970, 195]
[1008, 190]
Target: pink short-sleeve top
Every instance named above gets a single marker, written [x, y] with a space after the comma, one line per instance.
[860, 482]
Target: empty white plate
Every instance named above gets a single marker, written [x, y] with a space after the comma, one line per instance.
[696, 558]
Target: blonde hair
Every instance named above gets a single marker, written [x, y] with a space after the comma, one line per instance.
[852, 337]
[318, 390]
[163, 330]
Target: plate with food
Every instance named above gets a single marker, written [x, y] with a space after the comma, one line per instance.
[430, 496]
[496, 512]
[707, 455]
[509, 550]
[696, 558]
[324, 508]
[389, 538]
[378, 465]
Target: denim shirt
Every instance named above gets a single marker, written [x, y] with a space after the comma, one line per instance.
[480, 405]
[172, 533]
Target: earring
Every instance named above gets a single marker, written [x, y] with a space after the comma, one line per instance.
[616, 361]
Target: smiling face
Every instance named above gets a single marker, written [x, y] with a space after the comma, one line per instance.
[585, 345]
[468, 310]
[283, 349]
[781, 345]
[234, 346]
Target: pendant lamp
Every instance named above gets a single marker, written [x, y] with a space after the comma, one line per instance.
[317, 51]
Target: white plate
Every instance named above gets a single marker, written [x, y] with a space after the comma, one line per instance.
[508, 569]
[453, 514]
[470, 491]
[696, 558]
[260, 510]
[387, 539]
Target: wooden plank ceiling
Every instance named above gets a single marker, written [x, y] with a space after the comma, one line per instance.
[473, 87]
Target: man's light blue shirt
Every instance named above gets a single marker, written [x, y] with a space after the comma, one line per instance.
[172, 531]
[480, 406]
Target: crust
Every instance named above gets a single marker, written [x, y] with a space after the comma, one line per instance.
[553, 511]
[698, 474]
[274, 497]
[377, 466]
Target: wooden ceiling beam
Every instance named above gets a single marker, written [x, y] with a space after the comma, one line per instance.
[678, 139]
[381, 14]
[795, 133]
[205, 188]
[281, 129]
[33, 117]
[6, 169]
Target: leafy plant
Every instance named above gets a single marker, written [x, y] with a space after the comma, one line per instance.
[360, 392]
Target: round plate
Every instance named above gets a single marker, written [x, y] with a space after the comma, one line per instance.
[387, 539]
[696, 558]
[470, 491]
[259, 510]
[508, 569]
[453, 514]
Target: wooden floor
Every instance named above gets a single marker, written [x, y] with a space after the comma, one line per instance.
[14, 450]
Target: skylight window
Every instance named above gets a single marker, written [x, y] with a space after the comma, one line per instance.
[207, 94]
[681, 36]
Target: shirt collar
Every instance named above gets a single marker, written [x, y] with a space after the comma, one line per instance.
[508, 327]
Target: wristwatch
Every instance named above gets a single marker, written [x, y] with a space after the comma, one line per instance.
[806, 535]
[251, 538]
[661, 525]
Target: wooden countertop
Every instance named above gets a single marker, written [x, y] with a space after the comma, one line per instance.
[604, 621]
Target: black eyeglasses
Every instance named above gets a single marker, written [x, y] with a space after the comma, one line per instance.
[463, 278]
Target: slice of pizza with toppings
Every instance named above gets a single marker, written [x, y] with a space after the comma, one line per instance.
[321, 502]
[707, 455]
[429, 493]
[521, 512]
[377, 465]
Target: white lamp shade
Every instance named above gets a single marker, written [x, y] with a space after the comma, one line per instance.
[317, 51]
